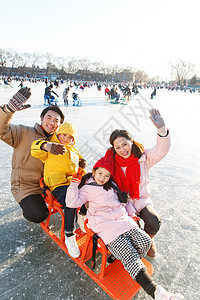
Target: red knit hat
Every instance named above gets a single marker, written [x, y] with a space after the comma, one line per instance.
[107, 163]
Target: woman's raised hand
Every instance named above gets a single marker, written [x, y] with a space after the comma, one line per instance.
[156, 118]
[158, 121]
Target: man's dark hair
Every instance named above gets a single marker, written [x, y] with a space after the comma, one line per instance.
[53, 108]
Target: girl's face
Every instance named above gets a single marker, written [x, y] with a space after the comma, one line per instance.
[122, 146]
[101, 175]
[65, 139]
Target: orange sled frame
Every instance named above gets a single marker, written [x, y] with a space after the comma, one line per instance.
[113, 279]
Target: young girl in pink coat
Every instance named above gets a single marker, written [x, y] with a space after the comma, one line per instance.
[110, 219]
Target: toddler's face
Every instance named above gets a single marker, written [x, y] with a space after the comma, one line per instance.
[101, 175]
[65, 139]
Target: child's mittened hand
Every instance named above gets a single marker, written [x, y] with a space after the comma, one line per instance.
[77, 176]
[55, 148]
[17, 102]
[156, 118]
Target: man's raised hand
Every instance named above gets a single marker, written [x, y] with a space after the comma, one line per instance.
[17, 102]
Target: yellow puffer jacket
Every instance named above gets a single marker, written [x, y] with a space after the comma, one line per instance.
[58, 169]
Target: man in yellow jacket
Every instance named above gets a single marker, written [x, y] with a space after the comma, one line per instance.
[61, 160]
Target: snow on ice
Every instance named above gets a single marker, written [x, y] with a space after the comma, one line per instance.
[33, 267]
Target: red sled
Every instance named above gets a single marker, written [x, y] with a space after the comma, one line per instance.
[112, 278]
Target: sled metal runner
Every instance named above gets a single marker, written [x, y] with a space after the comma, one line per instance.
[112, 278]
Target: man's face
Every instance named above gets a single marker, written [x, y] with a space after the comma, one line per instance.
[51, 121]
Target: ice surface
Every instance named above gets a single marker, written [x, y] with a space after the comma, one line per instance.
[33, 267]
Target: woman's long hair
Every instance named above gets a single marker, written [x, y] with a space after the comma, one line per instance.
[137, 149]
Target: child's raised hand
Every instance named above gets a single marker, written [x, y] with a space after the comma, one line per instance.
[54, 148]
[78, 176]
[156, 118]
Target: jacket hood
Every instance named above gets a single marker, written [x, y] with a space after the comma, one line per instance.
[67, 128]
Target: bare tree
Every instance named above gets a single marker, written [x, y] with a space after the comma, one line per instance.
[98, 70]
[4, 59]
[116, 69]
[182, 70]
[35, 59]
[97, 66]
[48, 59]
[61, 63]
[12, 58]
[27, 63]
[72, 65]
[26, 59]
[140, 76]
[16, 61]
[84, 64]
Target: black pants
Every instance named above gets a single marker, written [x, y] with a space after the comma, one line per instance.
[146, 282]
[70, 213]
[151, 219]
[34, 208]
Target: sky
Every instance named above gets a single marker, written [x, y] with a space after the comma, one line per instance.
[149, 35]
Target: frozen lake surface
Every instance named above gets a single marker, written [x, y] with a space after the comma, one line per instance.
[34, 267]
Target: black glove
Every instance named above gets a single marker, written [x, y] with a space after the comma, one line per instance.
[123, 197]
[17, 102]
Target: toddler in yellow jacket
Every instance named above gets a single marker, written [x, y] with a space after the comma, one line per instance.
[61, 160]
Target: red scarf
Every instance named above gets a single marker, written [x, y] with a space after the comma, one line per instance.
[128, 182]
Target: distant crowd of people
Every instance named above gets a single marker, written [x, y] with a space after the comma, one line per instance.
[114, 92]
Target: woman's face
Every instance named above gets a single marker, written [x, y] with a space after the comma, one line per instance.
[122, 146]
[101, 175]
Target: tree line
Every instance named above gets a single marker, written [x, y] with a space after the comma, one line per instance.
[13, 62]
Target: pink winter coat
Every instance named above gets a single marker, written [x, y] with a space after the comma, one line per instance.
[106, 215]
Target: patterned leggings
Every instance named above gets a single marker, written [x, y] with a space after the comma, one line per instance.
[129, 248]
